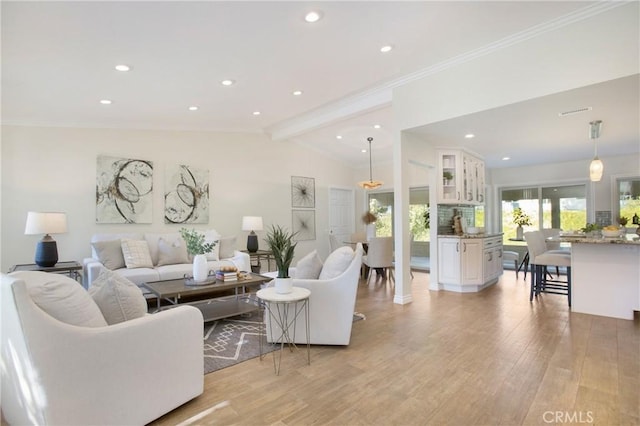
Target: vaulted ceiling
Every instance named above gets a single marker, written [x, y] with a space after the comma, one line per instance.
[58, 62]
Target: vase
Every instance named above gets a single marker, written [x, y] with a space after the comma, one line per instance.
[519, 233]
[200, 267]
[284, 285]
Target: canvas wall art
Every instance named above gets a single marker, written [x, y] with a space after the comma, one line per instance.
[303, 192]
[304, 224]
[124, 188]
[186, 197]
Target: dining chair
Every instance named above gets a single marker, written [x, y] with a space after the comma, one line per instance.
[551, 236]
[380, 256]
[540, 259]
[334, 244]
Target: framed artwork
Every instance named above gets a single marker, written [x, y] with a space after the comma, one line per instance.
[304, 224]
[186, 195]
[124, 189]
[303, 192]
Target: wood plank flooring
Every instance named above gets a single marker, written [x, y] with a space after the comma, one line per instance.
[489, 358]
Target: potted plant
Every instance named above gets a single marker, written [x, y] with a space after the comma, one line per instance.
[369, 219]
[447, 176]
[623, 224]
[521, 219]
[198, 248]
[280, 241]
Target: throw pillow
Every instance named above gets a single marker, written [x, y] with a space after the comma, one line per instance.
[62, 298]
[210, 237]
[337, 263]
[309, 267]
[118, 298]
[227, 247]
[172, 252]
[109, 253]
[136, 254]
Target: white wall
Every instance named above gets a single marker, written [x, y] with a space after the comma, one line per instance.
[54, 169]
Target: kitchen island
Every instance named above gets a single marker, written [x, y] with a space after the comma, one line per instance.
[605, 275]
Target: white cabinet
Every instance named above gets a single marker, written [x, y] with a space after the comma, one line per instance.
[469, 264]
[461, 178]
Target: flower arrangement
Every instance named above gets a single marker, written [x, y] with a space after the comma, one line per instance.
[520, 218]
[623, 221]
[195, 242]
[368, 218]
[281, 243]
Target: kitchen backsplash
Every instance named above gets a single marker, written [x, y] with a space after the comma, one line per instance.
[446, 213]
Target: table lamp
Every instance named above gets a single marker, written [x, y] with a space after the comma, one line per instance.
[46, 223]
[252, 223]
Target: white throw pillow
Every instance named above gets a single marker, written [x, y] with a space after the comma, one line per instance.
[136, 254]
[172, 252]
[109, 253]
[309, 267]
[62, 298]
[337, 263]
[118, 298]
[227, 247]
[211, 237]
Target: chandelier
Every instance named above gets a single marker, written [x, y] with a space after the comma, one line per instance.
[370, 184]
[596, 167]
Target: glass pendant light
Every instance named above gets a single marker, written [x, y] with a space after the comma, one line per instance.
[596, 167]
[370, 184]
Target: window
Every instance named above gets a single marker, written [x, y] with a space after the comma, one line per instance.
[563, 207]
[629, 196]
[381, 204]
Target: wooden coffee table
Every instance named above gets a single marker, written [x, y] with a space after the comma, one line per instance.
[203, 296]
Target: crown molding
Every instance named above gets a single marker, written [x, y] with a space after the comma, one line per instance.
[381, 95]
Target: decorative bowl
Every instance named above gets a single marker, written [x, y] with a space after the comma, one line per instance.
[472, 230]
[610, 234]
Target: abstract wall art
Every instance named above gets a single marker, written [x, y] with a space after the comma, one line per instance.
[124, 188]
[304, 224]
[186, 195]
[303, 192]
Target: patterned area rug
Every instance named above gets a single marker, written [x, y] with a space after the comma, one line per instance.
[236, 339]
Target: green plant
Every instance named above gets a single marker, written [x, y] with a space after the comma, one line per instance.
[623, 220]
[427, 218]
[280, 241]
[591, 227]
[447, 175]
[195, 242]
[520, 218]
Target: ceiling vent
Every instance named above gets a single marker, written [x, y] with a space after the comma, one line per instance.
[574, 111]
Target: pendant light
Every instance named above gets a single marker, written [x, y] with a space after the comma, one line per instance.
[370, 184]
[596, 167]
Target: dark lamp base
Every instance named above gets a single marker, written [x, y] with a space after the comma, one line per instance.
[46, 253]
[252, 243]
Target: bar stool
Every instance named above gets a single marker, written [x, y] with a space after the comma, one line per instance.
[540, 259]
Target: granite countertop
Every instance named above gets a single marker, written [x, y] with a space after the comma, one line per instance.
[470, 235]
[631, 239]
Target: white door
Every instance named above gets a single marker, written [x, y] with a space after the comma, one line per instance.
[341, 213]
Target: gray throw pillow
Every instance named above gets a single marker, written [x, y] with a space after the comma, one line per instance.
[227, 247]
[309, 267]
[118, 298]
[109, 253]
[172, 252]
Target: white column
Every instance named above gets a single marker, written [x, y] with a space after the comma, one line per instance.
[401, 220]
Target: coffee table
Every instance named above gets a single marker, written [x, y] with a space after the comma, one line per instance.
[203, 296]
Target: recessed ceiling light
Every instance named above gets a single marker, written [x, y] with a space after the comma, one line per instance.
[193, 108]
[105, 102]
[123, 67]
[313, 16]
[256, 112]
[339, 137]
[376, 126]
[297, 92]
[387, 48]
[363, 151]
[469, 136]
[227, 82]
[506, 158]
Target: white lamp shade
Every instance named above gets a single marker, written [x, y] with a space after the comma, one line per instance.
[45, 223]
[252, 223]
[595, 170]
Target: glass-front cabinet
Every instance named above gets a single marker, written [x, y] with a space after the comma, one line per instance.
[461, 178]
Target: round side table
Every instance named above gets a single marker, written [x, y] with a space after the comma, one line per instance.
[284, 310]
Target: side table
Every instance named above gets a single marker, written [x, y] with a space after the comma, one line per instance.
[284, 310]
[258, 256]
[71, 268]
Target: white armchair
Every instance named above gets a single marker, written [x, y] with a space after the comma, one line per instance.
[331, 306]
[128, 373]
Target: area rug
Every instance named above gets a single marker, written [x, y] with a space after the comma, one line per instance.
[236, 339]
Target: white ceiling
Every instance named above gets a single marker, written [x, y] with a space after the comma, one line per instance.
[58, 61]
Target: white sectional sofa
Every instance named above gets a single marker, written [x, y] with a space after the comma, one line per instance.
[160, 248]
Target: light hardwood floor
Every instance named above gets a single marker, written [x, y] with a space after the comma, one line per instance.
[460, 359]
